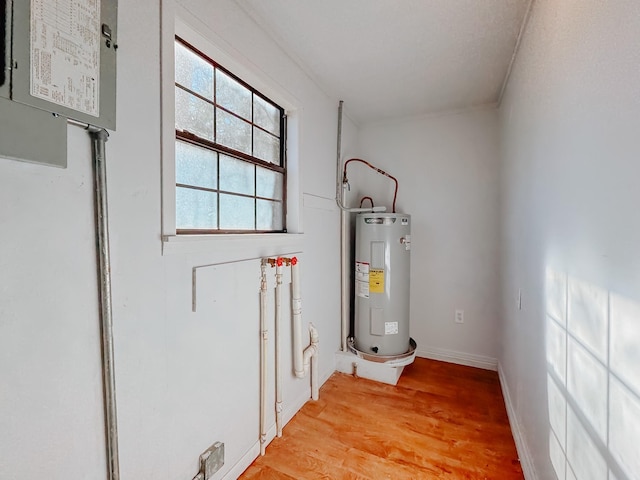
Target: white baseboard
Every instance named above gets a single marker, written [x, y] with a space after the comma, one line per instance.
[460, 358]
[254, 452]
[288, 413]
[526, 460]
[244, 462]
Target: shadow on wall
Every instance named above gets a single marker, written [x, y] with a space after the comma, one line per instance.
[593, 380]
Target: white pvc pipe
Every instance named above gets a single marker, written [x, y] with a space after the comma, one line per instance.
[296, 306]
[312, 352]
[278, 367]
[303, 359]
[263, 358]
[365, 210]
[307, 359]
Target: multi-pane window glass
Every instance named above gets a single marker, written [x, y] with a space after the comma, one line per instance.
[230, 163]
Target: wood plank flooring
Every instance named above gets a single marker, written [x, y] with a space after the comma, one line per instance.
[441, 421]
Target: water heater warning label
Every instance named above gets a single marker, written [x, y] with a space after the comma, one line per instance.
[390, 328]
[376, 281]
[362, 279]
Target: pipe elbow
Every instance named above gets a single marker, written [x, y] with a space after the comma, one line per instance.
[313, 332]
[309, 352]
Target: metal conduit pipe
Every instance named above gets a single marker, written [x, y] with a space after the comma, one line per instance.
[99, 138]
[344, 240]
[341, 193]
[339, 155]
[341, 184]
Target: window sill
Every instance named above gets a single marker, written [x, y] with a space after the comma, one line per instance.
[233, 248]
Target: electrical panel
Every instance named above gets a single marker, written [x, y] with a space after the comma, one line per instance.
[58, 62]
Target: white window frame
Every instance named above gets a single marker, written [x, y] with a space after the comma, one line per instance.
[228, 247]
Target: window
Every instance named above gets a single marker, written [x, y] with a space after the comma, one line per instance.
[229, 151]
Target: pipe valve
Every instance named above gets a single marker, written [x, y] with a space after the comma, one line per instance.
[279, 261]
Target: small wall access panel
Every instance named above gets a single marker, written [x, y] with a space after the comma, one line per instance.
[58, 60]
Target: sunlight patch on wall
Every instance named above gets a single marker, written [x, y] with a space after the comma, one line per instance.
[593, 380]
[557, 412]
[557, 349]
[583, 455]
[556, 453]
[625, 341]
[587, 318]
[587, 385]
[556, 293]
[570, 474]
[625, 428]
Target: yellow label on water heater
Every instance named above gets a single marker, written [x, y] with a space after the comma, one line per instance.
[376, 281]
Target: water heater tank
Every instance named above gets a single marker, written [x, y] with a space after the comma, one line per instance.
[383, 243]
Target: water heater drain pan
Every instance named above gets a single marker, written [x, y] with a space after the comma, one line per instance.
[392, 360]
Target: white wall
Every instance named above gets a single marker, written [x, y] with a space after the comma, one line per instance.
[50, 388]
[447, 169]
[570, 240]
[183, 379]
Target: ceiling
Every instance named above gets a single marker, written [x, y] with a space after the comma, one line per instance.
[397, 58]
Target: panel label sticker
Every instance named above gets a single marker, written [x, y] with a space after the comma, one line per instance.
[65, 53]
[362, 279]
[376, 281]
[390, 328]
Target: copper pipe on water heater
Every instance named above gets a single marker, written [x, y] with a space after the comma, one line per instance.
[341, 188]
[379, 170]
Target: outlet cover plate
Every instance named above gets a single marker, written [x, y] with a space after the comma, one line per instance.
[212, 460]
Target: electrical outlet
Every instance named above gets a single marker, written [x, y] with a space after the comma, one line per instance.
[212, 460]
[459, 318]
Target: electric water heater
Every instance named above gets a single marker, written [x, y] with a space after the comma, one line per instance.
[383, 247]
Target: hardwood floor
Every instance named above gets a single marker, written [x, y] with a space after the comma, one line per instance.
[441, 421]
